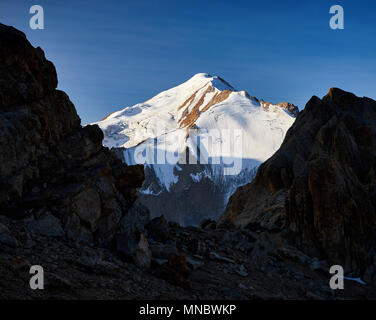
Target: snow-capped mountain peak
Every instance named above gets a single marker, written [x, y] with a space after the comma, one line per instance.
[184, 118]
[175, 108]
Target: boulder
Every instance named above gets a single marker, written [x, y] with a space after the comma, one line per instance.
[175, 271]
[158, 229]
[134, 248]
[47, 225]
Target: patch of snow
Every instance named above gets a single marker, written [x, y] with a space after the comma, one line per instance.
[149, 191]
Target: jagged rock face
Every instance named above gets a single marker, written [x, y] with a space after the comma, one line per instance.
[289, 107]
[321, 183]
[49, 164]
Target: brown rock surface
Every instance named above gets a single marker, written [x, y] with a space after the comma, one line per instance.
[289, 107]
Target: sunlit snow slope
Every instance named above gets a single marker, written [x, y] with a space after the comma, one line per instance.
[246, 132]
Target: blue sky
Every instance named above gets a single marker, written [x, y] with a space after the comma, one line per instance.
[115, 53]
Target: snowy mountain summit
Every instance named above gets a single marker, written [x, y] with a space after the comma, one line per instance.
[199, 142]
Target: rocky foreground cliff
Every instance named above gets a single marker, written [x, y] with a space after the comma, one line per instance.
[55, 174]
[320, 184]
[68, 205]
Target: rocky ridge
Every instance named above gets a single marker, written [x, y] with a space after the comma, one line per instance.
[320, 184]
[55, 175]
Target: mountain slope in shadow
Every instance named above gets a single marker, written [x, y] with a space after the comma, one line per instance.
[321, 183]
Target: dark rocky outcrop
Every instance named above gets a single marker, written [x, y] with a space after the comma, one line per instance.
[54, 173]
[321, 184]
[238, 264]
